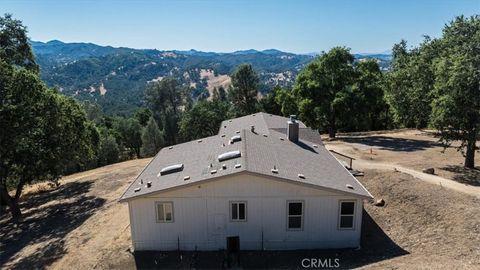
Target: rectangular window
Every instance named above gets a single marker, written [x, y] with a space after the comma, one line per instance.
[164, 211]
[295, 215]
[238, 211]
[347, 215]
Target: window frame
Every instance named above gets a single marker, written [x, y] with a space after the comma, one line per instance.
[340, 215]
[230, 204]
[156, 212]
[302, 216]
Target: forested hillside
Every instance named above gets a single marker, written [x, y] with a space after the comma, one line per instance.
[116, 78]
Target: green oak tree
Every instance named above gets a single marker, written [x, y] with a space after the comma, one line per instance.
[130, 133]
[370, 107]
[43, 132]
[203, 119]
[14, 47]
[320, 88]
[409, 84]
[456, 108]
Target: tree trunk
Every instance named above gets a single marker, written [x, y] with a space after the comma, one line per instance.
[18, 192]
[470, 155]
[332, 129]
[11, 202]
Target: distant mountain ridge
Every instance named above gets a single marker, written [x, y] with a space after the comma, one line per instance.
[115, 77]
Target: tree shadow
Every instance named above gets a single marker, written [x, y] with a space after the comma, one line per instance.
[376, 246]
[464, 175]
[47, 224]
[392, 144]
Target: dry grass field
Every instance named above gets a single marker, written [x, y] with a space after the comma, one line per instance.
[80, 224]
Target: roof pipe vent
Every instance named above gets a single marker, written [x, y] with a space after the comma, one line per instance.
[292, 129]
[149, 184]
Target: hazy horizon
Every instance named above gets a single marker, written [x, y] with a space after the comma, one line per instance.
[301, 27]
[260, 50]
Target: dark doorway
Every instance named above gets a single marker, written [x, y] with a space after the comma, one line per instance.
[233, 244]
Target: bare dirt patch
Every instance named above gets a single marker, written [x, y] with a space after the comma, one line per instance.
[439, 228]
[72, 226]
[215, 81]
[412, 149]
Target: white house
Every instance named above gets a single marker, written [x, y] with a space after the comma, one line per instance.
[264, 182]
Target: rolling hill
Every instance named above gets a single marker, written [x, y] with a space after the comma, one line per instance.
[116, 78]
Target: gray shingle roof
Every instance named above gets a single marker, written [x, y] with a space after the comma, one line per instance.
[260, 153]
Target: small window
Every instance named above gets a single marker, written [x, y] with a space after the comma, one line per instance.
[164, 211]
[347, 215]
[295, 215]
[238, 211]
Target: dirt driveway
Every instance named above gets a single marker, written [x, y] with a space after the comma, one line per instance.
[409, 150]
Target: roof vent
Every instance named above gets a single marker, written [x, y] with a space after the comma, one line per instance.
[316, 146]
[136, 190]
[213, 171]
[265, 135]
[223, 135]
[274, 170]
[229, 155]
[238, 131]
[349, 186]
[172, 169]
[224, 166]
[281, 139]
[235, 138]
[187, 177]
[229, 120]
[171, 147]
[238, 165]
[149, 184]
[301, 176]
[252, 128]
[199, 141]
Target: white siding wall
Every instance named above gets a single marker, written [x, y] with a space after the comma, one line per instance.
[202, 219]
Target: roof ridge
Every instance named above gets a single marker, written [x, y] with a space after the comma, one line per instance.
[244, 149]
[265, 122]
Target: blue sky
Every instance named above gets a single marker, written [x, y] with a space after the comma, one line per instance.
[223, 26]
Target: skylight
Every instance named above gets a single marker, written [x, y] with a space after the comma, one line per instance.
[229, 155]
[235, 138]
[171, 169]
